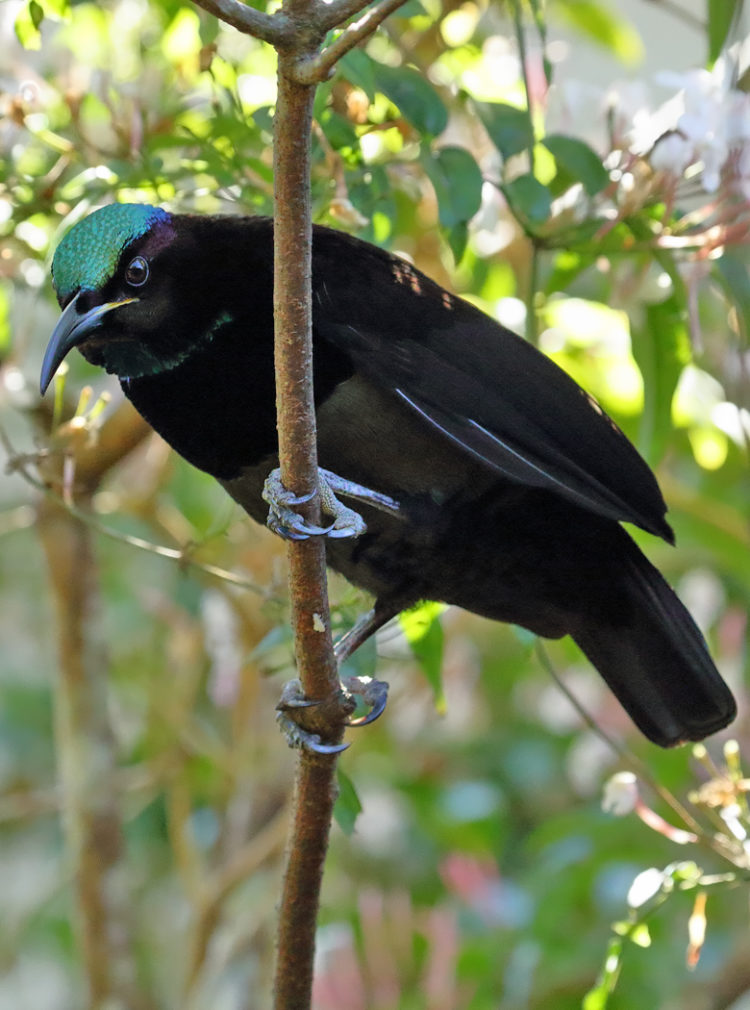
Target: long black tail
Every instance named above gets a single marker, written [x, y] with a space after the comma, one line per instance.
[656, 661]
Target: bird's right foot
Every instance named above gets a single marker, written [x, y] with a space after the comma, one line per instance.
[283, 520]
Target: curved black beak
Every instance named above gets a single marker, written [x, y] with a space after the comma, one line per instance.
[73, 328]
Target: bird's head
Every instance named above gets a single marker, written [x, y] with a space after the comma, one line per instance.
[118, 274]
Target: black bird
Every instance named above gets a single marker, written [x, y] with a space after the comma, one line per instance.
[487, 478]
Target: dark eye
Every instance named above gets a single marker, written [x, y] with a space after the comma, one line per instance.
[137, 272]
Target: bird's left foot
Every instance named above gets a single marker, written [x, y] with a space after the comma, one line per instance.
[374, 693]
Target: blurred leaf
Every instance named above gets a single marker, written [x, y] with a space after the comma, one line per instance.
[423, 631]
[720, 15]
[27, 23]
[457, 180]
[579, 160]
[4, 320]
[413, 95]
[732, 269]
[458, 236]
[347, 806]
[509, 128]
[529, 200]
[357, 67]
[661, 350]
[603, 26]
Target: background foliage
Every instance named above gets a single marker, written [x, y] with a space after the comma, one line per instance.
[482, 872]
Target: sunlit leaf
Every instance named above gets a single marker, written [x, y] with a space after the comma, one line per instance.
[423, 631]
[27, 23]
[661, 349]
[604, 26]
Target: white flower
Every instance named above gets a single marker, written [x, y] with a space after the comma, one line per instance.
[620, 794]
[645, 886]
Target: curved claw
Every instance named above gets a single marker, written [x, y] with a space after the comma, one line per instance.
[292, 697]
[342, 534]
[300, 738]
[283, 520]
[290, 526]
[374, 693]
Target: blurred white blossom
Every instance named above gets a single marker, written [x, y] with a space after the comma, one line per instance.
[704, 125]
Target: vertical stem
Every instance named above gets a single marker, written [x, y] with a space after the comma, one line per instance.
[523, 56]
[86, 764]
[314, 785]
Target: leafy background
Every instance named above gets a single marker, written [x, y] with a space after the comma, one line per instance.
[482, 871]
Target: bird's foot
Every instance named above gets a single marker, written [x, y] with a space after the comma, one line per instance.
[347, 523]
[374, 694]
[282, 518]
[292, 699]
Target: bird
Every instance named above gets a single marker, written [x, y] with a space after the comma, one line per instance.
[483, 475]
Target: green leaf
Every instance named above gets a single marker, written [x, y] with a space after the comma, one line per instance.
[5, 290]
[579, 161]
[528, 199]
[602, 25]
[458, 237]
[347, 806]
[36, 13]
[457, 180]
[359, 69]
[734, 275]
[661, 349]
[413, 95]
[509, 128]
[424, 633]
[720, 15]
[26, 25]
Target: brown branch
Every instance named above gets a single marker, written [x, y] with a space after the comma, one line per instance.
[275, 29]
[298, 49]
[333, 14]
[319, 67]
[315, 784]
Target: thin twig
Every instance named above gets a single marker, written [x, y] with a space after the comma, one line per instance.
[630, 759]
[319, 67]
[19, 463]
[331, 15]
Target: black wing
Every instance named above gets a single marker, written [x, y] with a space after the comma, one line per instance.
[480, 385]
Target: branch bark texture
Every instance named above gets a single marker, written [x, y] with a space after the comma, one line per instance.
[300, 65]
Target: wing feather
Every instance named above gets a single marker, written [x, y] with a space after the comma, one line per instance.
[483, 388]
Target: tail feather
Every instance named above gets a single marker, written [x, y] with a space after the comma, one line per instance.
[656, 661]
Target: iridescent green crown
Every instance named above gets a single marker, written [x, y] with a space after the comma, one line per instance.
[88, 255]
